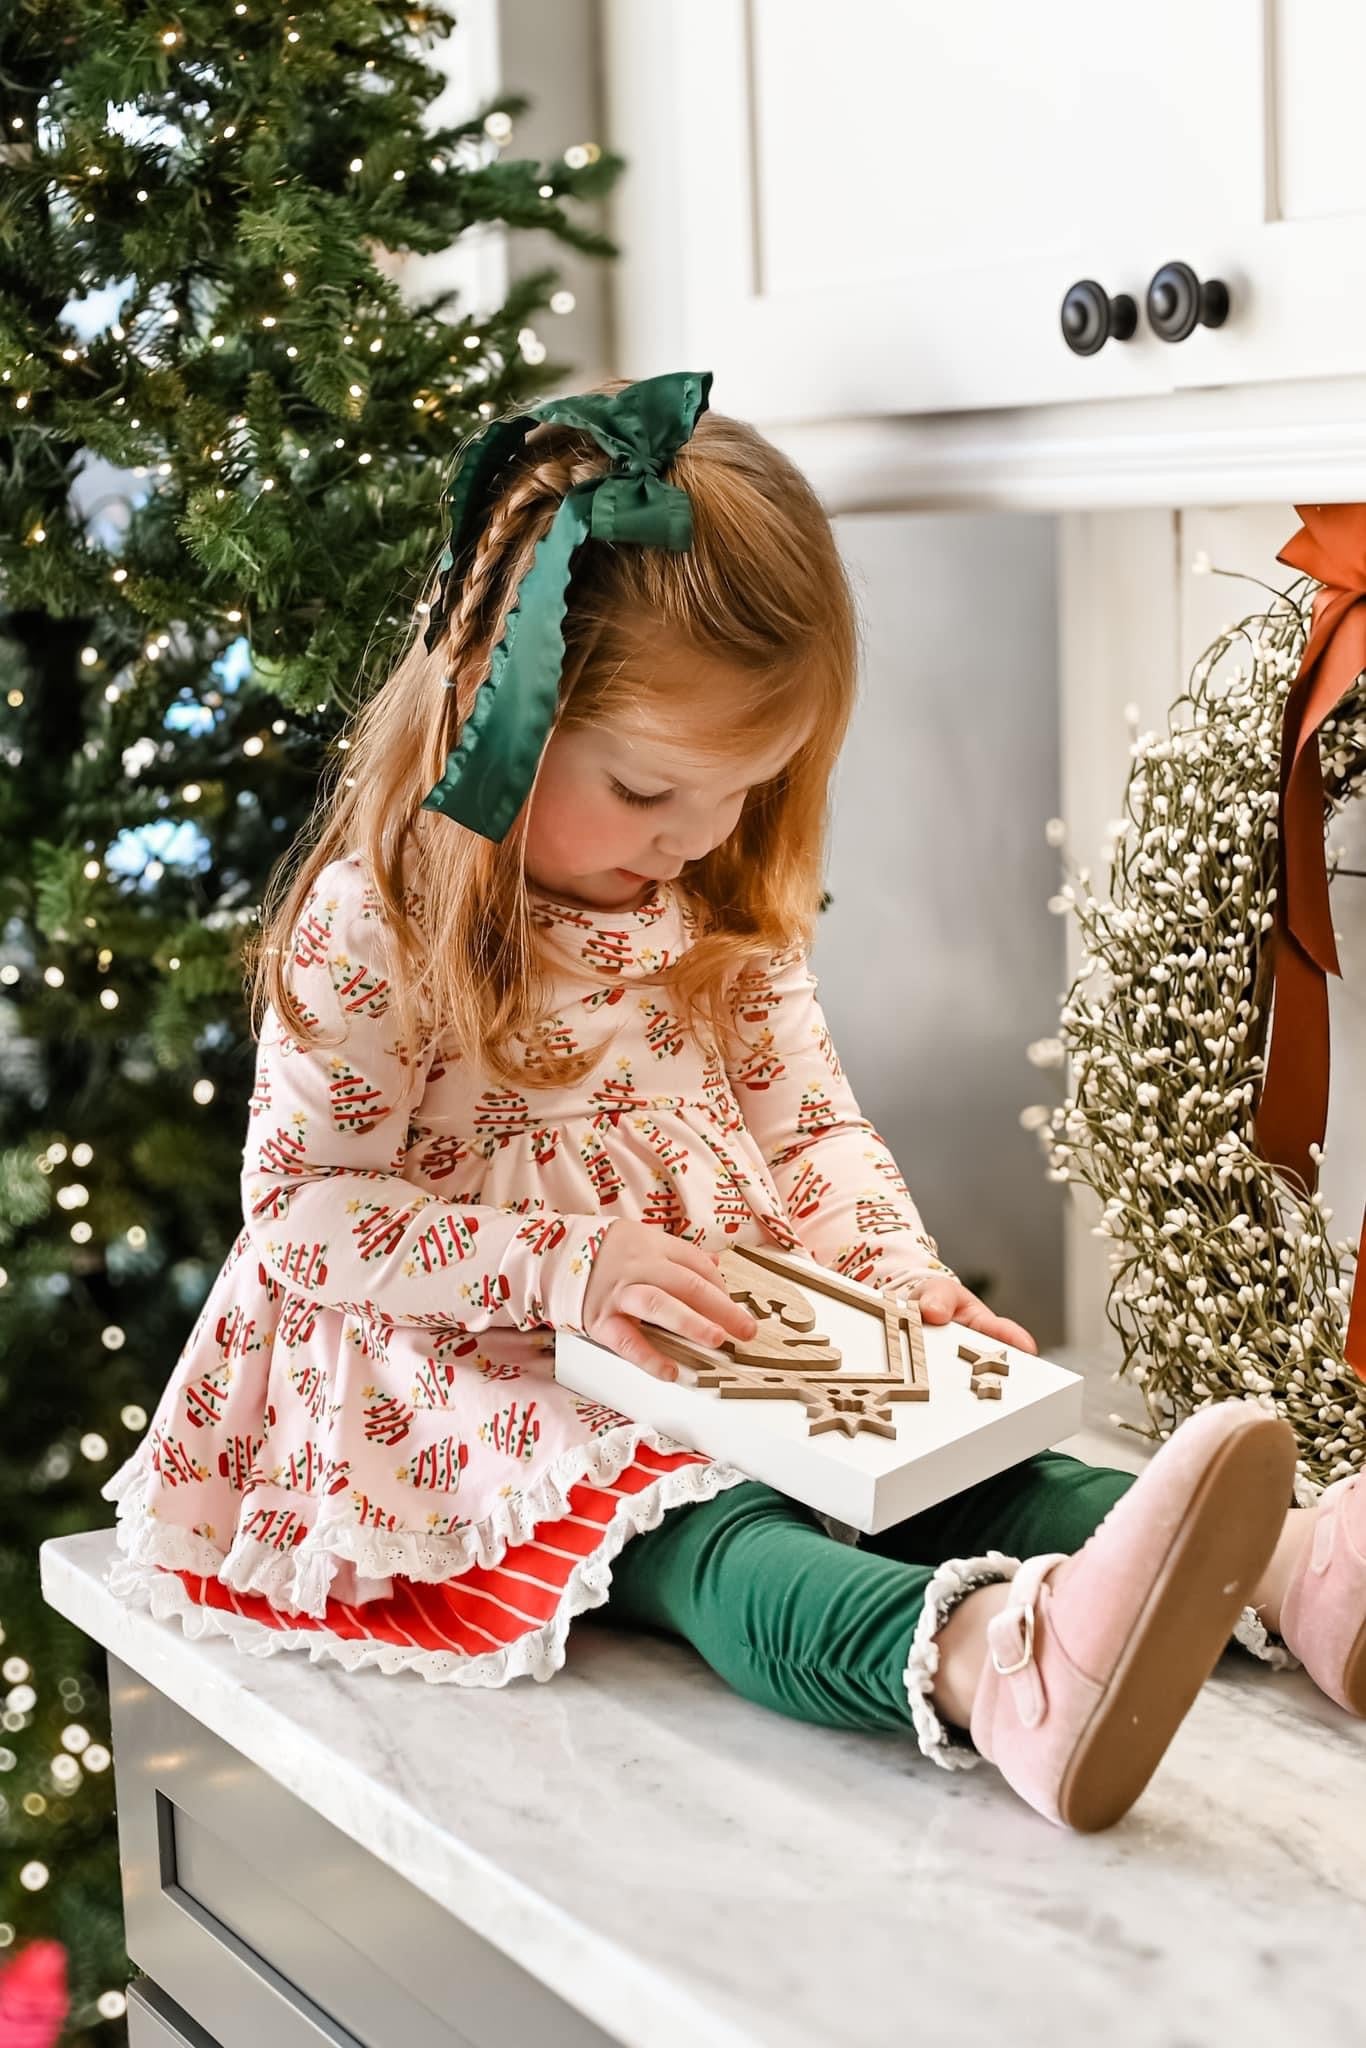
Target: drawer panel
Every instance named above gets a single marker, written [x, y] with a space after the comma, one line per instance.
[156, 2021]
[272, 1929]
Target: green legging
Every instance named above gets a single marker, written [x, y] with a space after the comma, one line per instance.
[819, 1629]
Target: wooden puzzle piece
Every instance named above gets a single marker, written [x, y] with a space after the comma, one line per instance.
[779, 1365]
[985, 1364]
[985, 1361]
[901, 1312]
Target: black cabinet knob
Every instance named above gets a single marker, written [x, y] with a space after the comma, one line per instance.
[1178, 303]
[1090, 319]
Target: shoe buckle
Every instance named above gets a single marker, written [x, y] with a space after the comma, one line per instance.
[1026, 1615]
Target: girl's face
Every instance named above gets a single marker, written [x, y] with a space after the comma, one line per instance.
[612, 815]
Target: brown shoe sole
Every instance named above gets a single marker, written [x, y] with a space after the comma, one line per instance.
[1226, 1539]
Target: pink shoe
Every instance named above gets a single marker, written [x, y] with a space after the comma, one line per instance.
[1323, 1614]
[1096, 1658]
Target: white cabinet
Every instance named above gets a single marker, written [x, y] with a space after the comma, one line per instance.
[879, 208]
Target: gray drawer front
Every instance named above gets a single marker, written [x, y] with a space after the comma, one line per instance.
[273, 1930]
[155, 2021]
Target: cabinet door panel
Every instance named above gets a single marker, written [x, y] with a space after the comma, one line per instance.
[880, 209]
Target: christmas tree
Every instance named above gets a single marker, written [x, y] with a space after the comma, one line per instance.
[227, 431]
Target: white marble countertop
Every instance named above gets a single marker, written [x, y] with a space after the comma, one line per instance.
[643, 1841]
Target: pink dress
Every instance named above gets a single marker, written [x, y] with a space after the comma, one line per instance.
[362, 1451]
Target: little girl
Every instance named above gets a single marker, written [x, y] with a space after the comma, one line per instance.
[537, 1036]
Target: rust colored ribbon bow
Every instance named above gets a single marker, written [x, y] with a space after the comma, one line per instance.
[1292, 1112]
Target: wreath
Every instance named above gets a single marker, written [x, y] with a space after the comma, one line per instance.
[1224, 1280]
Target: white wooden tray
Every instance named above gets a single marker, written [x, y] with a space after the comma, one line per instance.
[938, 1446]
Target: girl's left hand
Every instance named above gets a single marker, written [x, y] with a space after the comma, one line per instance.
[944, 1299]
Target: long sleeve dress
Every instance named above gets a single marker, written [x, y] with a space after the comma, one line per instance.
[362, 1451]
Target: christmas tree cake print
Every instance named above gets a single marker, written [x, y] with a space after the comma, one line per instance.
[287, 1045]
[553, 1041]
[438, 1370]
[369, 1514]
[313, 933]
[545, 1143]
[174, 1461]
[542, 1233]
[761, 1066]
[436, 1468]
[298, 1321]
[355, 1103]
[258, 1102]
[606, 1181]
[278, 1528]
[825, 1045]
[808, 1191]
[670, 1151]
[499, 1369]
[235, 1333]
[730, 1210]
[501, 1113]
[753, 996]
[310, 1385]
[664, 1205]
[447, 1241]
[598, 1418]
[815, 1112]
[237, 1461]
[206, 1397]
[305, 1264]
[514, 1430]
[878, 1214]
[616, 1093]
[608, 951]
[440, 1156]
[387, 1419]
[361, 990]
[301, 1471]
[663, 1031]
[284, 1151]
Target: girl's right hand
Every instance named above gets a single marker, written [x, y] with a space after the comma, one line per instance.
[643, 1271]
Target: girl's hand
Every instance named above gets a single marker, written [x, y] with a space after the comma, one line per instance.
[642, 1271]
[942, 1298]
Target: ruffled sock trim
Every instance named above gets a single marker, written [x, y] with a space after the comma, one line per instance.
[941, 1741]
[1251, 1631]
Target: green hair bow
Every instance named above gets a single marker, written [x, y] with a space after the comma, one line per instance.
[490, 769]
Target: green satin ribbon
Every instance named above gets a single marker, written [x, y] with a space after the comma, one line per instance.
[490, 769]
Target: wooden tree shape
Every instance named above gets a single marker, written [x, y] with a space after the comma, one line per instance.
[787, 1360]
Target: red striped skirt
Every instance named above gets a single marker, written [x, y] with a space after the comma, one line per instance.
[480, 1610]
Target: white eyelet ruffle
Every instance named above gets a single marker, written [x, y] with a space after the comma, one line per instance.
[341, 1559]
[133, 1576]
[1251, 1631]
[953, 1580]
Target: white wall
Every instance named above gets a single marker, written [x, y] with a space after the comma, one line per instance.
[938, 958]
